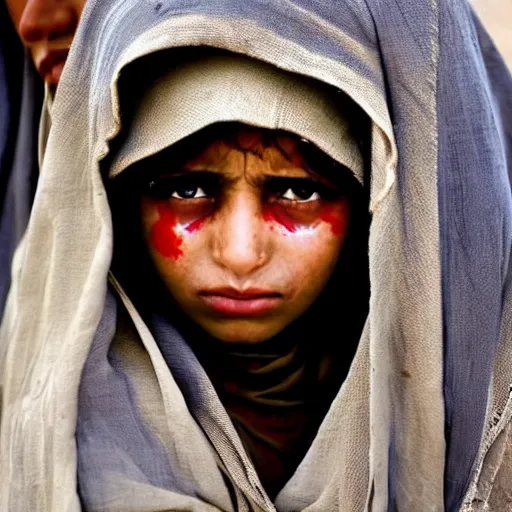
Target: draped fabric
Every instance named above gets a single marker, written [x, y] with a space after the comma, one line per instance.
[422, 421]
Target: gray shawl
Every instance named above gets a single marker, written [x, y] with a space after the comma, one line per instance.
[422, 421]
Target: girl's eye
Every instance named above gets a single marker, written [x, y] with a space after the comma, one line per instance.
[298, 190]
[198, 186]
[302, 194]
[189, 192]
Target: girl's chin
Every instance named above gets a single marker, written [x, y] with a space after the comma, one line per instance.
[241, 331]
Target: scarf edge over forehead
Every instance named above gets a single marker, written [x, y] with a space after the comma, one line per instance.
[239, 89]
[430, 324]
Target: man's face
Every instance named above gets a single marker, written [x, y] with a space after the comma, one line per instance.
[244, 235]
[46, 28]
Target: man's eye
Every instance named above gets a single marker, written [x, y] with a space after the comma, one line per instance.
[301, 194]
[189, 192]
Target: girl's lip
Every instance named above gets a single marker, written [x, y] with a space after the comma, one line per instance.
[50, 67]
[234, 293]
[242, 307]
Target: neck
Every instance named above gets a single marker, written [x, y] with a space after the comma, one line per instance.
[271, 391]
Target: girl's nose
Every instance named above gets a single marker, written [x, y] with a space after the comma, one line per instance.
[241, 244]
[48, 20]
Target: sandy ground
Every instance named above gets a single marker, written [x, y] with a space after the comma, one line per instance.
[497, 17]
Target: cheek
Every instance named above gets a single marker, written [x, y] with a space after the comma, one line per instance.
[276, 214]
[195, 225]
[295, 219]
[337, 216]
[310, 244]
[163, 236]
[16, 8]
[79, 7]
[308, 262]
[166, 233]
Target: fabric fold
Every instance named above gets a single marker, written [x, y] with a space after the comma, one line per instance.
[414, 424]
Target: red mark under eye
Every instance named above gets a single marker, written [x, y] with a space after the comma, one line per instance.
[164, 238]
[336, 216]
[274, 213]
[196, 225]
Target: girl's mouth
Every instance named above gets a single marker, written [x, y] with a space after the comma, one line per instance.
[234, 303]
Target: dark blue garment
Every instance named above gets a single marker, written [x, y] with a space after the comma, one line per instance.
[21, 94]
[470, 218]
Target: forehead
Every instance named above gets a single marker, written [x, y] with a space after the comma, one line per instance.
[226, 147]
[248, 149]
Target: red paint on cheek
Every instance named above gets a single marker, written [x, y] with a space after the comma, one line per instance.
[273, 213]
[196, 225]
[337, 216]
[163, 237]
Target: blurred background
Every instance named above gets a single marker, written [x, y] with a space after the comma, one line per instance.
[496, 15]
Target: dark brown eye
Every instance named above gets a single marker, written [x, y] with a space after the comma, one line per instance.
[184, 186]
[189, 193]
[302, 193]
[300, 190]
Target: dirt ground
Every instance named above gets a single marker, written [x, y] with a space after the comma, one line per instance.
[497, 17]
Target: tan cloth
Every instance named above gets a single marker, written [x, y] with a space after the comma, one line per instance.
[60, 279]
[223, 88]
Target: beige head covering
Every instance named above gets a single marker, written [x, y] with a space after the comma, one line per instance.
[230, 87]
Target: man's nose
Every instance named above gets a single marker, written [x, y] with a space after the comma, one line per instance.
[241, 243]
[47, 20]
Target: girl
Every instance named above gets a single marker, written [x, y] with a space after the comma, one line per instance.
[238, 359]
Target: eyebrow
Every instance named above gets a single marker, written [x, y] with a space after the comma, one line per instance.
[217, 174]
[183, 172]
[284, 172]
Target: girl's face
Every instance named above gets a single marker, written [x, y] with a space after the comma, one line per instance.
[243, 235]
